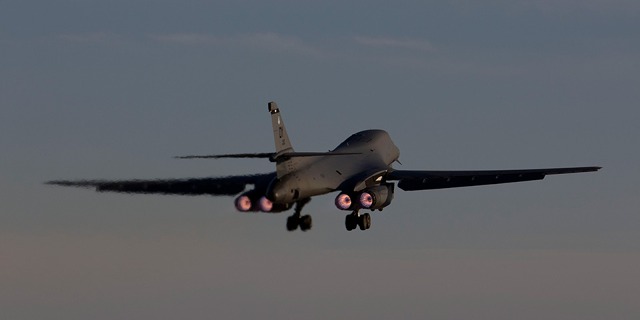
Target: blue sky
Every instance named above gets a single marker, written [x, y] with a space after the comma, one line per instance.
[94, 89]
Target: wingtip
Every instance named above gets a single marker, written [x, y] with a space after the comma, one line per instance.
[58, 182]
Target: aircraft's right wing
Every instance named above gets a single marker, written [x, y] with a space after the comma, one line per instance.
[196, 186]
[410, 180]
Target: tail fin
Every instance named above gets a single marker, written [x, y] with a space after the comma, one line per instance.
[280, 136]
[283, 144]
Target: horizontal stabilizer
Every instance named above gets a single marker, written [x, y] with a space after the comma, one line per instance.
[314, 154]
[273, 157]
[235, 155]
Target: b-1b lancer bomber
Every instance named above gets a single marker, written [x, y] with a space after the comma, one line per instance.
[359, 170]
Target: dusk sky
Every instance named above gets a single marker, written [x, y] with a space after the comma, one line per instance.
[114, 89]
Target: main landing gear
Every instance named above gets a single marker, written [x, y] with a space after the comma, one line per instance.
[354, 220]
[296, 220]
[351, 222]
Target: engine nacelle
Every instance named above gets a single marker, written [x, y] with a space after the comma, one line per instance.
[377, 197]
[266, 205]
[252, 201]
[344, 201]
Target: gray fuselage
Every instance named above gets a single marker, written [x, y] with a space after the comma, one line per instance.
[319, 175]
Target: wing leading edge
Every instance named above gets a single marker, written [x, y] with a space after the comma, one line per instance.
[231, 185]
[411, 180]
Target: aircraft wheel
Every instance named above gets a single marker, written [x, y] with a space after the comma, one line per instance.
[367, 221]
[364, 221]
[351, 221]
[305, 222]
[292, 223]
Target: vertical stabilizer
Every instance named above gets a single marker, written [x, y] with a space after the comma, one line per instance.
[283, 144]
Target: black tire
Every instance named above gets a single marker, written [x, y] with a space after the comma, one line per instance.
[362, 222]
[292, 223]
[367, 221]
[305, 222]
[350, 222]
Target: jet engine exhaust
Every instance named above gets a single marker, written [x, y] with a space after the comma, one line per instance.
[366, 200]
[243, 203]
[265, 204]
[344, 202]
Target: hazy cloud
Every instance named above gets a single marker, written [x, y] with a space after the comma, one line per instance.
[594, 5]
[268, 41]
[558, 6]
[92, 37]
[186, 38]
[401, 43]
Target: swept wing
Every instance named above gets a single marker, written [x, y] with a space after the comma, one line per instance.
[230, 185]
[410, 180]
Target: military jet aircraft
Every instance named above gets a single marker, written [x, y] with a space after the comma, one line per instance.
[359, 169]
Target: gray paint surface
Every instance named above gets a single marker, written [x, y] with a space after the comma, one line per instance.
[115, 89]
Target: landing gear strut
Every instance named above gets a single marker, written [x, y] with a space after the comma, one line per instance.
[354, 220]
[295, 220]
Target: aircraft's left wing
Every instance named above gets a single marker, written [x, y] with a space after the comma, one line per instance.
[197, 186]
[410, 180]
